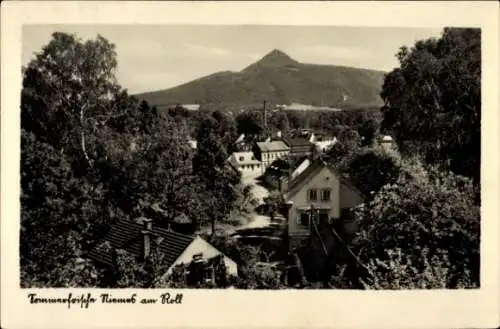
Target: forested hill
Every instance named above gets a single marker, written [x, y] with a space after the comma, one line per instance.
[278, 79]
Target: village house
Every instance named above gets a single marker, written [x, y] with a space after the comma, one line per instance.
[323, 146]
[245, 162]
[319, 190]
[386, 142]
[299, 145]
[268, 152]
[189, 107]
[193, 144]
[140, 238]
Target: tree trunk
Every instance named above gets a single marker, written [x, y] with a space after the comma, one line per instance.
[82, 139]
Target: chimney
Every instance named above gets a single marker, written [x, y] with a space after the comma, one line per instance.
[146, 237]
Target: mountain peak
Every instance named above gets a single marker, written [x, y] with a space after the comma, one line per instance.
[276, 54]
[275, 58]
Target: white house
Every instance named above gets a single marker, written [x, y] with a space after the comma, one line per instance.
[245, 162]
[324, 145]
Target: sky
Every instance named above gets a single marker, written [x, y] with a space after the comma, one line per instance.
[154, 57]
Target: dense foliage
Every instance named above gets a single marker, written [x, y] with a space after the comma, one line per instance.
[92, 154]
[433, 100]
[422, 231]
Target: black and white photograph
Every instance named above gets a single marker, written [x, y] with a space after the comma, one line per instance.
[250, 157]
[253, 164]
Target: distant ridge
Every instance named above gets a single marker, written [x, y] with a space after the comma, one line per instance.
[278, 79]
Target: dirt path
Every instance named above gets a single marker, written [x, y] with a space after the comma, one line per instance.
[259, 193]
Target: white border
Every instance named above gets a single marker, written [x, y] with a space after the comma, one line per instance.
[416, 309]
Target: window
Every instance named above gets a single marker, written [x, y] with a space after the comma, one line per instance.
[242, 158]
[313, 195]
[303, 219]
[253, 158]
[325, 194]
[251, 167]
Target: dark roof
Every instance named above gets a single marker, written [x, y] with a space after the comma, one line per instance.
[299, 141]
[272, 146]
[127, 235]
[312, 170]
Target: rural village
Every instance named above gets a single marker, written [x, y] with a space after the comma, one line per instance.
[267, 178]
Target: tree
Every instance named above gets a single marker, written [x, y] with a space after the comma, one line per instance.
[90, 154]
[66, 89]
[280, 120]
[351, 139]
[159, 172]
[250, 123]
[429, 221]
[226, 129]
[367, 131]
[433, 100]
[55, 211]
[217, 179]
[371, 169]
[274, 203]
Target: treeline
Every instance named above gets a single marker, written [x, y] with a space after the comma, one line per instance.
[364, 122]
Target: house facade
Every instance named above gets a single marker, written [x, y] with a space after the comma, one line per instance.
[321, 194]
[386, 142]
[245, 162]
[300, 146]
[268, 152]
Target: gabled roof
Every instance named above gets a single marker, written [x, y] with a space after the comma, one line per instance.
[312, 170]
[127, 235]
[272, 146]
